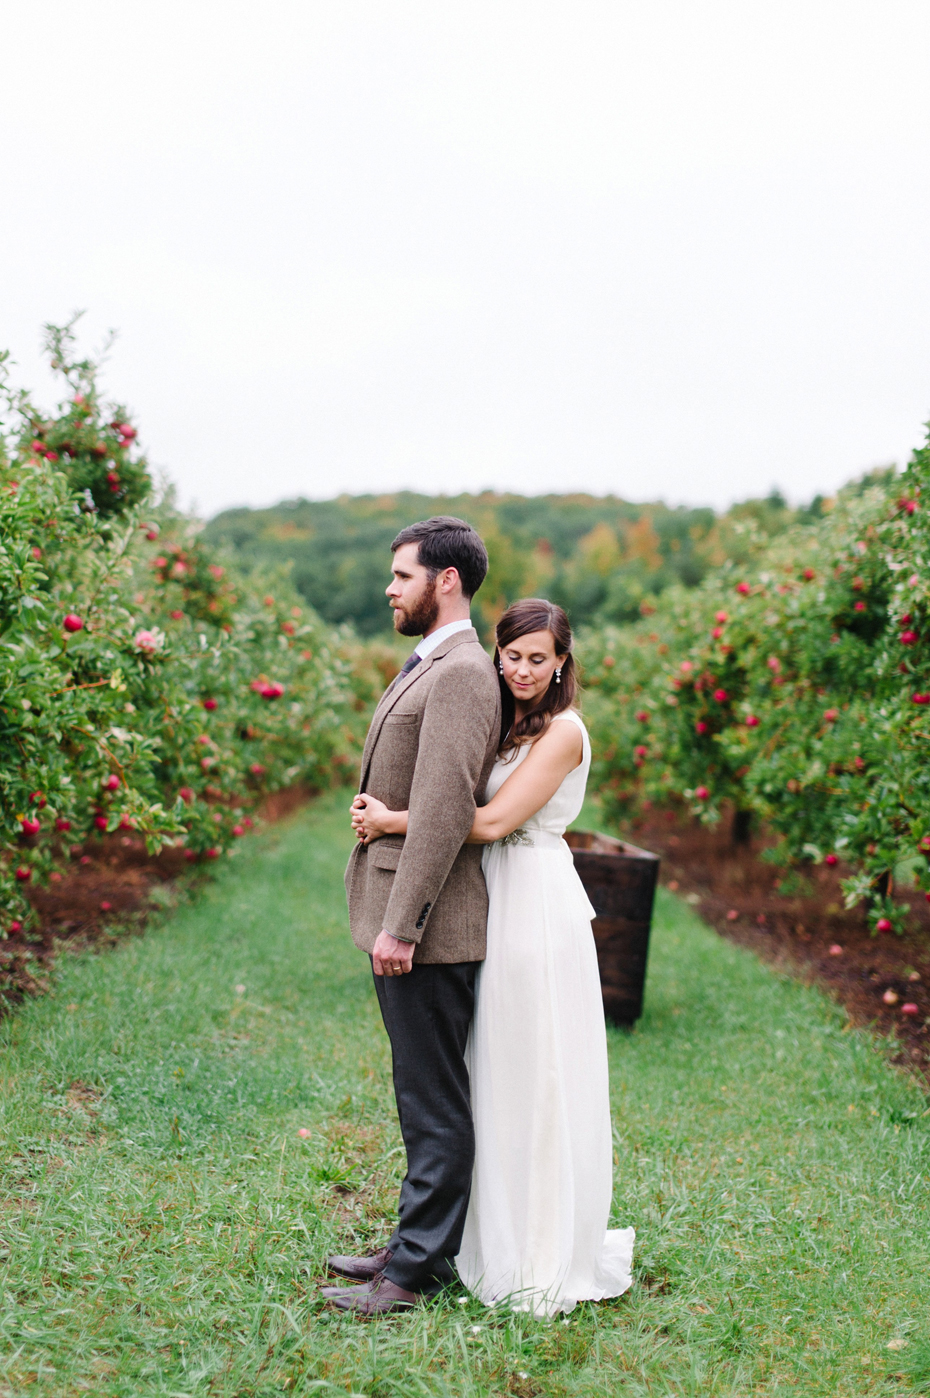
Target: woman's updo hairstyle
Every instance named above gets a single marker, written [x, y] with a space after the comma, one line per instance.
[522, 619]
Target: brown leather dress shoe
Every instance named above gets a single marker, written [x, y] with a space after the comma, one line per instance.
[330, 1291]
[377, 1297]
[361, 1269]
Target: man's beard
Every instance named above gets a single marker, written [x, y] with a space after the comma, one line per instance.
[417, 620]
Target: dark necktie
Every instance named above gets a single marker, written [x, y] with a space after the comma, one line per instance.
[409, 664]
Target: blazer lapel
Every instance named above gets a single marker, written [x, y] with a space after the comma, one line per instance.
[391, 695]
[386, 703]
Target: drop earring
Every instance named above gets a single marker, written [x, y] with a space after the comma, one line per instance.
[500, 666]
[558, 674]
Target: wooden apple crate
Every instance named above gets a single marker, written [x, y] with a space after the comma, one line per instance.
[620, 881]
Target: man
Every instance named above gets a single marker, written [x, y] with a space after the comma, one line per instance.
[418, 904]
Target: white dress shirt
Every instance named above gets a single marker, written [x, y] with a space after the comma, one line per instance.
[436, 638]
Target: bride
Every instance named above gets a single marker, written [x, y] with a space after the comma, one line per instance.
[536, 1231]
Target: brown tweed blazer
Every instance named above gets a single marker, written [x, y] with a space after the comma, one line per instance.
[430, 750]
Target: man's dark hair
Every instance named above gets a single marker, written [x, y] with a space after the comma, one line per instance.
[446, 542]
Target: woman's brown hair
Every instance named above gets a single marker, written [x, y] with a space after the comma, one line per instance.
[521, 619]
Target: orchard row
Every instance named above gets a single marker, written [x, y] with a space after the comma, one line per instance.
[143, 686]
[795, 692]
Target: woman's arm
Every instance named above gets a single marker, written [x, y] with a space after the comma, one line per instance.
[371, 819]
[537, 779]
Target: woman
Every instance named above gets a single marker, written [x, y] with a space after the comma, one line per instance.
[536, 1231]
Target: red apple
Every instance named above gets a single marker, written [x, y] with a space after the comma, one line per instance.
[24, 873]
[909, 1008]
[176, 616]
[110, 783]
[831, 715]
[38, 798]
[212, 853]
[105, 906]
[742, 588]
[808, 575]
[717, 632]
[701, 726]
[186, 794]
[835, 950]
[721, 696]
[14, 927]
[72, 622]
[62, 824]
[209, 704]
[238, 829]
[859, 607]
[30, 825]
[883, 925]
[752, 721]
[920, 698]
[721, 617]
[831, 859]
[101, 821]
[701, 793]
[908, 638]
[257, 769]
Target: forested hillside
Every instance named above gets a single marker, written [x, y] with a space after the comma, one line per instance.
[601, 558]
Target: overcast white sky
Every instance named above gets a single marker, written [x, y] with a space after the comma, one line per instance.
[657, 248]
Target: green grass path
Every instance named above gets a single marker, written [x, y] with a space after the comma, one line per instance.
[163, 1221]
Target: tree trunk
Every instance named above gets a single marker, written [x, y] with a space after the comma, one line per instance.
[742, 826]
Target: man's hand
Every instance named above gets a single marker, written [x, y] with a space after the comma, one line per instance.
[391, 957]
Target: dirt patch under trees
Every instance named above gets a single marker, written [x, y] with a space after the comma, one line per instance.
[107, 890]
[796, 919]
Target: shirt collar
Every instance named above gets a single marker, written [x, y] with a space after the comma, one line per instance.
[436, 638]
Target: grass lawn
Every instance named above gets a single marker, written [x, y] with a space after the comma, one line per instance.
[163, 1221]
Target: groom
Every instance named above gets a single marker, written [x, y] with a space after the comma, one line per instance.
[418, 903]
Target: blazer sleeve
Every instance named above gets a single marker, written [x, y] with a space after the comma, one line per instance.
[459, 718]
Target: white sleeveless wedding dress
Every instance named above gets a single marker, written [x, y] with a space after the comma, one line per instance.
[536, 1231]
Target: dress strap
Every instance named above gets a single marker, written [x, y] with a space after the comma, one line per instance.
[579, 722]
[570, 714]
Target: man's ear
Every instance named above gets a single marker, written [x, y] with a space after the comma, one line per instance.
[449, 580]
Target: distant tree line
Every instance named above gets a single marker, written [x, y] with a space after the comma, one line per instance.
[602, 558]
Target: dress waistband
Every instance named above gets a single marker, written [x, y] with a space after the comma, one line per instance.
[541, 839]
